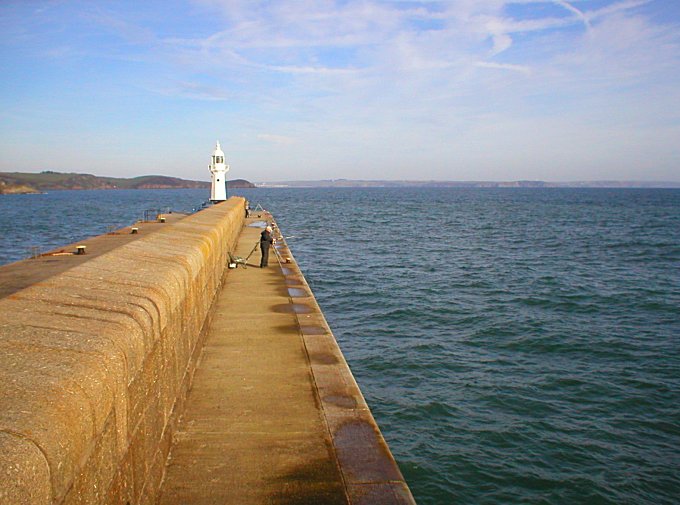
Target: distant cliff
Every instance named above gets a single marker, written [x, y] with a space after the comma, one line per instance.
[19, 182]
[15, 189]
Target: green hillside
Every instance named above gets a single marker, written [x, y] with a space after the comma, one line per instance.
[21, 182]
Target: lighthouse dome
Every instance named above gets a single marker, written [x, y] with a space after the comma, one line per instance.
[218, 150]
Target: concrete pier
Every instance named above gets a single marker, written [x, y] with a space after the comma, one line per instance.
[153, 374]
[274, 415]
[22, 274]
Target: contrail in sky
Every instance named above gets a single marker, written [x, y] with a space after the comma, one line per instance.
[573, 9]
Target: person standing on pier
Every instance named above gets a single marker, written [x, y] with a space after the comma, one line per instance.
[266, 240]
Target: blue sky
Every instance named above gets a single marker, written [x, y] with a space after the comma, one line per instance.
[357, 89]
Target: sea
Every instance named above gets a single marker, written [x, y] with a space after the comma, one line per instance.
[515, 345]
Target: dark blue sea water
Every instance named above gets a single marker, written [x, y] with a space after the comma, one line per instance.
[515, 345]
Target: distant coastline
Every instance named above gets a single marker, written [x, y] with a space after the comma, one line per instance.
[349, 183]
[26, 183]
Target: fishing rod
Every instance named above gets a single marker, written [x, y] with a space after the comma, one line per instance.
[252, 250]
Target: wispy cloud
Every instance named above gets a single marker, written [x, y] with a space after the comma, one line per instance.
[523, 69]
[194, 90]
[579, 14]
[276, 139]
[615, 7]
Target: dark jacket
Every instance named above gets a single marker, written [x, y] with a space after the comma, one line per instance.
[266, 238]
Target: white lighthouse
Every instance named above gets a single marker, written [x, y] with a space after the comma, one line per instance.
[218, 169]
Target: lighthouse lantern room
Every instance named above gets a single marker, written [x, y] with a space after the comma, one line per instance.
[218, 169]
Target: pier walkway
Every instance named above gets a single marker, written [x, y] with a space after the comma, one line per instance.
[274, 415]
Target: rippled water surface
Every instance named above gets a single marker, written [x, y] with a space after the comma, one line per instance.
[515, 346]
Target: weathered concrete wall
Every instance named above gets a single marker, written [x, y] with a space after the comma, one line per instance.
[95, 364]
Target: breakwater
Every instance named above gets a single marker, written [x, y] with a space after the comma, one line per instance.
[97, 361]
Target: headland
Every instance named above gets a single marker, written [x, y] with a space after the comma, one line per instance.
[48, 180]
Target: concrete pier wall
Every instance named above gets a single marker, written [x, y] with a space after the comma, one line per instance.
[95, 364]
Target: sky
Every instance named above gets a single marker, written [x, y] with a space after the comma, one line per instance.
[474, 90]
